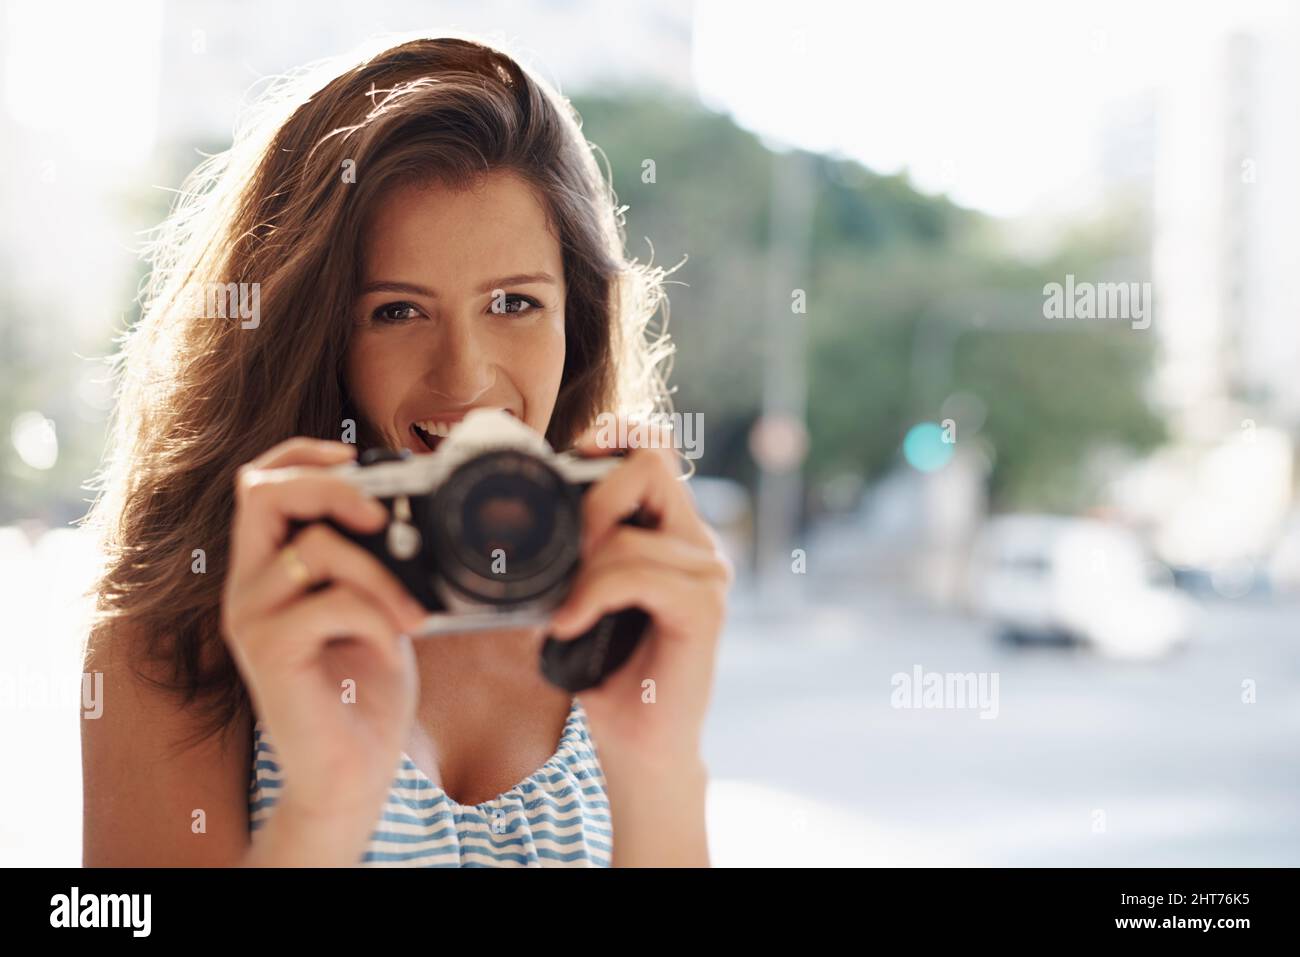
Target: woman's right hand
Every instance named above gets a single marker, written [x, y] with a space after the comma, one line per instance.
[330, 671]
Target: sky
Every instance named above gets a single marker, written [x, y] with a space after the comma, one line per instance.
[997, 103]
[88, 68]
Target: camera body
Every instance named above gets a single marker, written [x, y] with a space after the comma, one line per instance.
[485, 533]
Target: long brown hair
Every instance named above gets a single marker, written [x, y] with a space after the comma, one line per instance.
[285, 208]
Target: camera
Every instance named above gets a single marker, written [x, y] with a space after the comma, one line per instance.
[485, 532]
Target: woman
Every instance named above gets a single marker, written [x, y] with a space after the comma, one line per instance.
[424, 234]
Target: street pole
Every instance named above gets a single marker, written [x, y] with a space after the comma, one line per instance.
[784, 393]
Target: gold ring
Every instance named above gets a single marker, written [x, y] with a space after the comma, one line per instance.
[298, 569]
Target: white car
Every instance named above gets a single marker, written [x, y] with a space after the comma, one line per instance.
[1047, 576]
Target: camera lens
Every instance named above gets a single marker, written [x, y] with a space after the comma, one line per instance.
[505, 528]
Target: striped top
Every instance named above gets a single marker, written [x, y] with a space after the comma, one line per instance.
[558, 816]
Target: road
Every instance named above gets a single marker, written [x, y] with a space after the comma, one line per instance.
[1088, 762]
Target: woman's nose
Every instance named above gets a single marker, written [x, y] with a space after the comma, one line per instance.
[460, 369]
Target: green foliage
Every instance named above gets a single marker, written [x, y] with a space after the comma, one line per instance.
[910, 299]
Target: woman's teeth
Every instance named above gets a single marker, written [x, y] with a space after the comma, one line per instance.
[432, 431]
[428, 440]
[431, 427]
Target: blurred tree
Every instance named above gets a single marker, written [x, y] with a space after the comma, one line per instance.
[909, 300]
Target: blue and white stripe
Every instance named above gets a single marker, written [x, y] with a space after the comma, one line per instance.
[556, 817]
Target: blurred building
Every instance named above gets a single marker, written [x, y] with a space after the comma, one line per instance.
[1226, 222]
[1225, 254]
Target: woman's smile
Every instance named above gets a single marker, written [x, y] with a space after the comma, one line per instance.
[429, 432]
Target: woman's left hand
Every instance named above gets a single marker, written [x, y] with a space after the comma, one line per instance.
[650, 713]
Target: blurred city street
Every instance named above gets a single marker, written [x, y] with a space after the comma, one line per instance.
[1185, 773]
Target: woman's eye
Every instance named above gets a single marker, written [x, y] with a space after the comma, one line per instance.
[395, 312]
[514, 304]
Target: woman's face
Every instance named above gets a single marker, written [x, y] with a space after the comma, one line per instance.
[461, 307]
